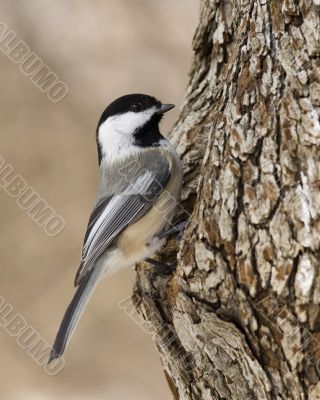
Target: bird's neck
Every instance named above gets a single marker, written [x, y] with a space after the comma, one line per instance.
[149, 134]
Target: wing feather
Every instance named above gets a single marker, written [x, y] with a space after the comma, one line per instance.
[116, 212]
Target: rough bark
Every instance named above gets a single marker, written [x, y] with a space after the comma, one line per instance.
[239, 317]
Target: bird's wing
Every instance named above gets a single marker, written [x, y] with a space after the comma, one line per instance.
[113, 214]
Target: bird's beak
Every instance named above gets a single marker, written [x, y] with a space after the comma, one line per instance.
[164, 108]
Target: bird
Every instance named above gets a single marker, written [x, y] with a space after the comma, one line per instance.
[139, 188]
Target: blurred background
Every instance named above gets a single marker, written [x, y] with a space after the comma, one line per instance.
[101, 50]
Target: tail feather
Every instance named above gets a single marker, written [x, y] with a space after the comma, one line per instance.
[74, 312]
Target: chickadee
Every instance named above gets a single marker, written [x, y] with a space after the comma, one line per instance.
[139, 187]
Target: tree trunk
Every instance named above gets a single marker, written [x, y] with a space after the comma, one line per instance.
[239, 317]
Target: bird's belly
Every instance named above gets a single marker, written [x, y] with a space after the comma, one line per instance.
[139, 236]
[119, 258]
[139, 240]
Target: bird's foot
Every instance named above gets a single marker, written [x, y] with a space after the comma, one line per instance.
[161, 268]
[178, 229]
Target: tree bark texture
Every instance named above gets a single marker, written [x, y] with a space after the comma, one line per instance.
[239, 317]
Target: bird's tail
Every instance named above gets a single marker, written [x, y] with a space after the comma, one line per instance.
[75, 311]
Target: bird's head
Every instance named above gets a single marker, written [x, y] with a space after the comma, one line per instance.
[131, 120]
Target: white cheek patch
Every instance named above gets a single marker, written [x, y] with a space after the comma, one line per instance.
[128, 122]
[116, 133]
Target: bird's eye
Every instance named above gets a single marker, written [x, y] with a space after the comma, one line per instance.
[136, 107]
